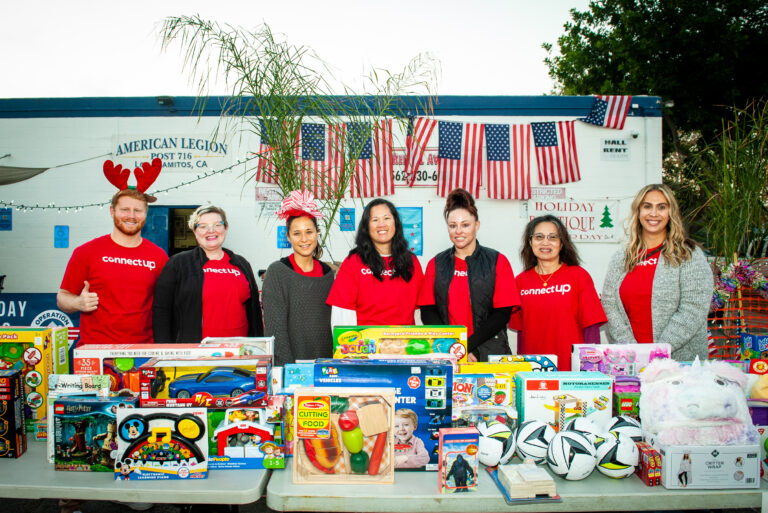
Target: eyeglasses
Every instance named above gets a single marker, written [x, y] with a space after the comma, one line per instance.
[207, 227]
[539, 237]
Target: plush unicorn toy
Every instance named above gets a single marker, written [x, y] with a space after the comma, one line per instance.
[698, 404]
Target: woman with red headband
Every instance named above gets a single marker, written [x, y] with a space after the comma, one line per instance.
[297, 286]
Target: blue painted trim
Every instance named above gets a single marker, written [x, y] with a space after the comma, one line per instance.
[569, 106]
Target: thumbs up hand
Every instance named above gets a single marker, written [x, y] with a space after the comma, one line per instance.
[88, 301]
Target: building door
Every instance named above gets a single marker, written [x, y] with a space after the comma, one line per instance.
[167, 227]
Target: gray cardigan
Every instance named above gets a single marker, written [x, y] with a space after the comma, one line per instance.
[679, 305]
[296, 314]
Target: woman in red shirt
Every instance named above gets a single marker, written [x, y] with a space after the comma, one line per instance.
[560, 306]
[378, 283]
[469, 284]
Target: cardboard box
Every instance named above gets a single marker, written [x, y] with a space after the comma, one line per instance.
[37, 352]
[423, 390]
[85, 432]
[648, 468]
[121, 362]
[758, 410]
[252, 346]
[297, 375]
[360, 341]
[13, 432]
[616, 359]
[754, 346]
[538, 362]
[161, 444]
[557, 397]
[473, 391]
[212, 382]
[458, 459]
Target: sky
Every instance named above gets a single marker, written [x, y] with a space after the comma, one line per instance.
[82, 48]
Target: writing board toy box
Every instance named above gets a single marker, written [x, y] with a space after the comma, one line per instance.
[361, 341]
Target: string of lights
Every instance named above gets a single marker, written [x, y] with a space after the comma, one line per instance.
[66, 209]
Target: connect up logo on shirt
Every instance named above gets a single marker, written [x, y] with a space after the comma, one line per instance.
[554, 289]
[137, 262]
[650, 261]
[385, 272]
[461, 274]
[221, 271]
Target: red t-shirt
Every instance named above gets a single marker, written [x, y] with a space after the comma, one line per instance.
[459, 306]
[225, 291]
[316, 272]
[635, 292]
[390, 301]
[124, 279]
[553, 318]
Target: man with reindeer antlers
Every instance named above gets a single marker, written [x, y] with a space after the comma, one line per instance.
[111, 279]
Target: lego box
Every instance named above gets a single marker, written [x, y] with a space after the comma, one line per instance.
[13, 433]
[36, 352]
[458, 459]
[212, 382]
[557, 397]
[422, 396]
[360, 341]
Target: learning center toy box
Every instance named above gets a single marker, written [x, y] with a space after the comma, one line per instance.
[422, 395]
[360, 341]
[37, 352]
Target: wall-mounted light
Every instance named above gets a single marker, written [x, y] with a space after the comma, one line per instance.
[165, 101]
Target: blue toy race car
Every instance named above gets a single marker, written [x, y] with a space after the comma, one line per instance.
[220, 381]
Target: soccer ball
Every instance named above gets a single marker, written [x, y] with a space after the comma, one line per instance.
[497, 443]
[533, 437]
[584, 426]
[571, 455]
[626, 425]
[617, 455]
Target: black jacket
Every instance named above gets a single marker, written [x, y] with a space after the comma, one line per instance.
[177, 312]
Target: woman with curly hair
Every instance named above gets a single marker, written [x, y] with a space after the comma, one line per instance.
[560, 306]
[659, 286]
[378, 283]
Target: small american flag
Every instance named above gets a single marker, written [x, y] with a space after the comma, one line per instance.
[416, 141]
[374, 174]
[322, 158]
[459, 157]
[265, 171]
[556, 152]
[609, 111]
[508, 164]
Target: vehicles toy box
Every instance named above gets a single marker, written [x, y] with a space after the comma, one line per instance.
[244, 437]
[13, 432]
[474, 391]
[69, 385]
[344, 436]
[538, 362]
[558, 397]
[252, 346]
[458, 459]
[422, 395]
[616, 359]
[37, 352]
[121, 362]
[212, 382]
[360, 341]
[85, 432]
[161, 443]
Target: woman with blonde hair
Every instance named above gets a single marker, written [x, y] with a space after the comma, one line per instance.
[659, 286]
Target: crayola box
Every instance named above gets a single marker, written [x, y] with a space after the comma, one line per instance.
[422, 395]
[360, 341]
[557, 397]
[36, 352]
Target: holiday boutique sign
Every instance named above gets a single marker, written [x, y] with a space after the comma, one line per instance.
[179, 153]
[586, 220]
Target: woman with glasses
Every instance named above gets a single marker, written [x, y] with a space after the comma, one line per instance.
[658, 288]
[208, 291]
[297, 286]
[560, 306]
[469, 284]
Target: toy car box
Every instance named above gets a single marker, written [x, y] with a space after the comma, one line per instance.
[616, 359]
[473, 391]
[85, 431]
[423, 395]
[213, 382]
[458, 459]
[60, 385]
[360, 341]
[557, 397]
[37, 352]
[161, 444]
[13, 433]
[121, 362]
[244, 437]
[538, 362]
[344, 436]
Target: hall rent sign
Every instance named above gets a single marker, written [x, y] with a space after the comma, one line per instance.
[586, 220]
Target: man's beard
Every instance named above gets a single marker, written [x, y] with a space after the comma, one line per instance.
[120, 225]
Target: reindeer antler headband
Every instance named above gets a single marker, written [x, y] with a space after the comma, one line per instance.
[145, 175]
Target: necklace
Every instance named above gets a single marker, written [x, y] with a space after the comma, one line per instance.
[545, 279]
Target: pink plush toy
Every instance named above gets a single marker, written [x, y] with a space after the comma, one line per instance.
[698, 404]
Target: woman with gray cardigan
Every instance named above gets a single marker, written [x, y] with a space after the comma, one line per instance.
[296, 288]
[658, 288]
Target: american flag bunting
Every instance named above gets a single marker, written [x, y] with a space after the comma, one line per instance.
[322, 158]
[508, 161]
[459, 157]
[609, 111]
[416, 141]
[555, 143]
[373, 174]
